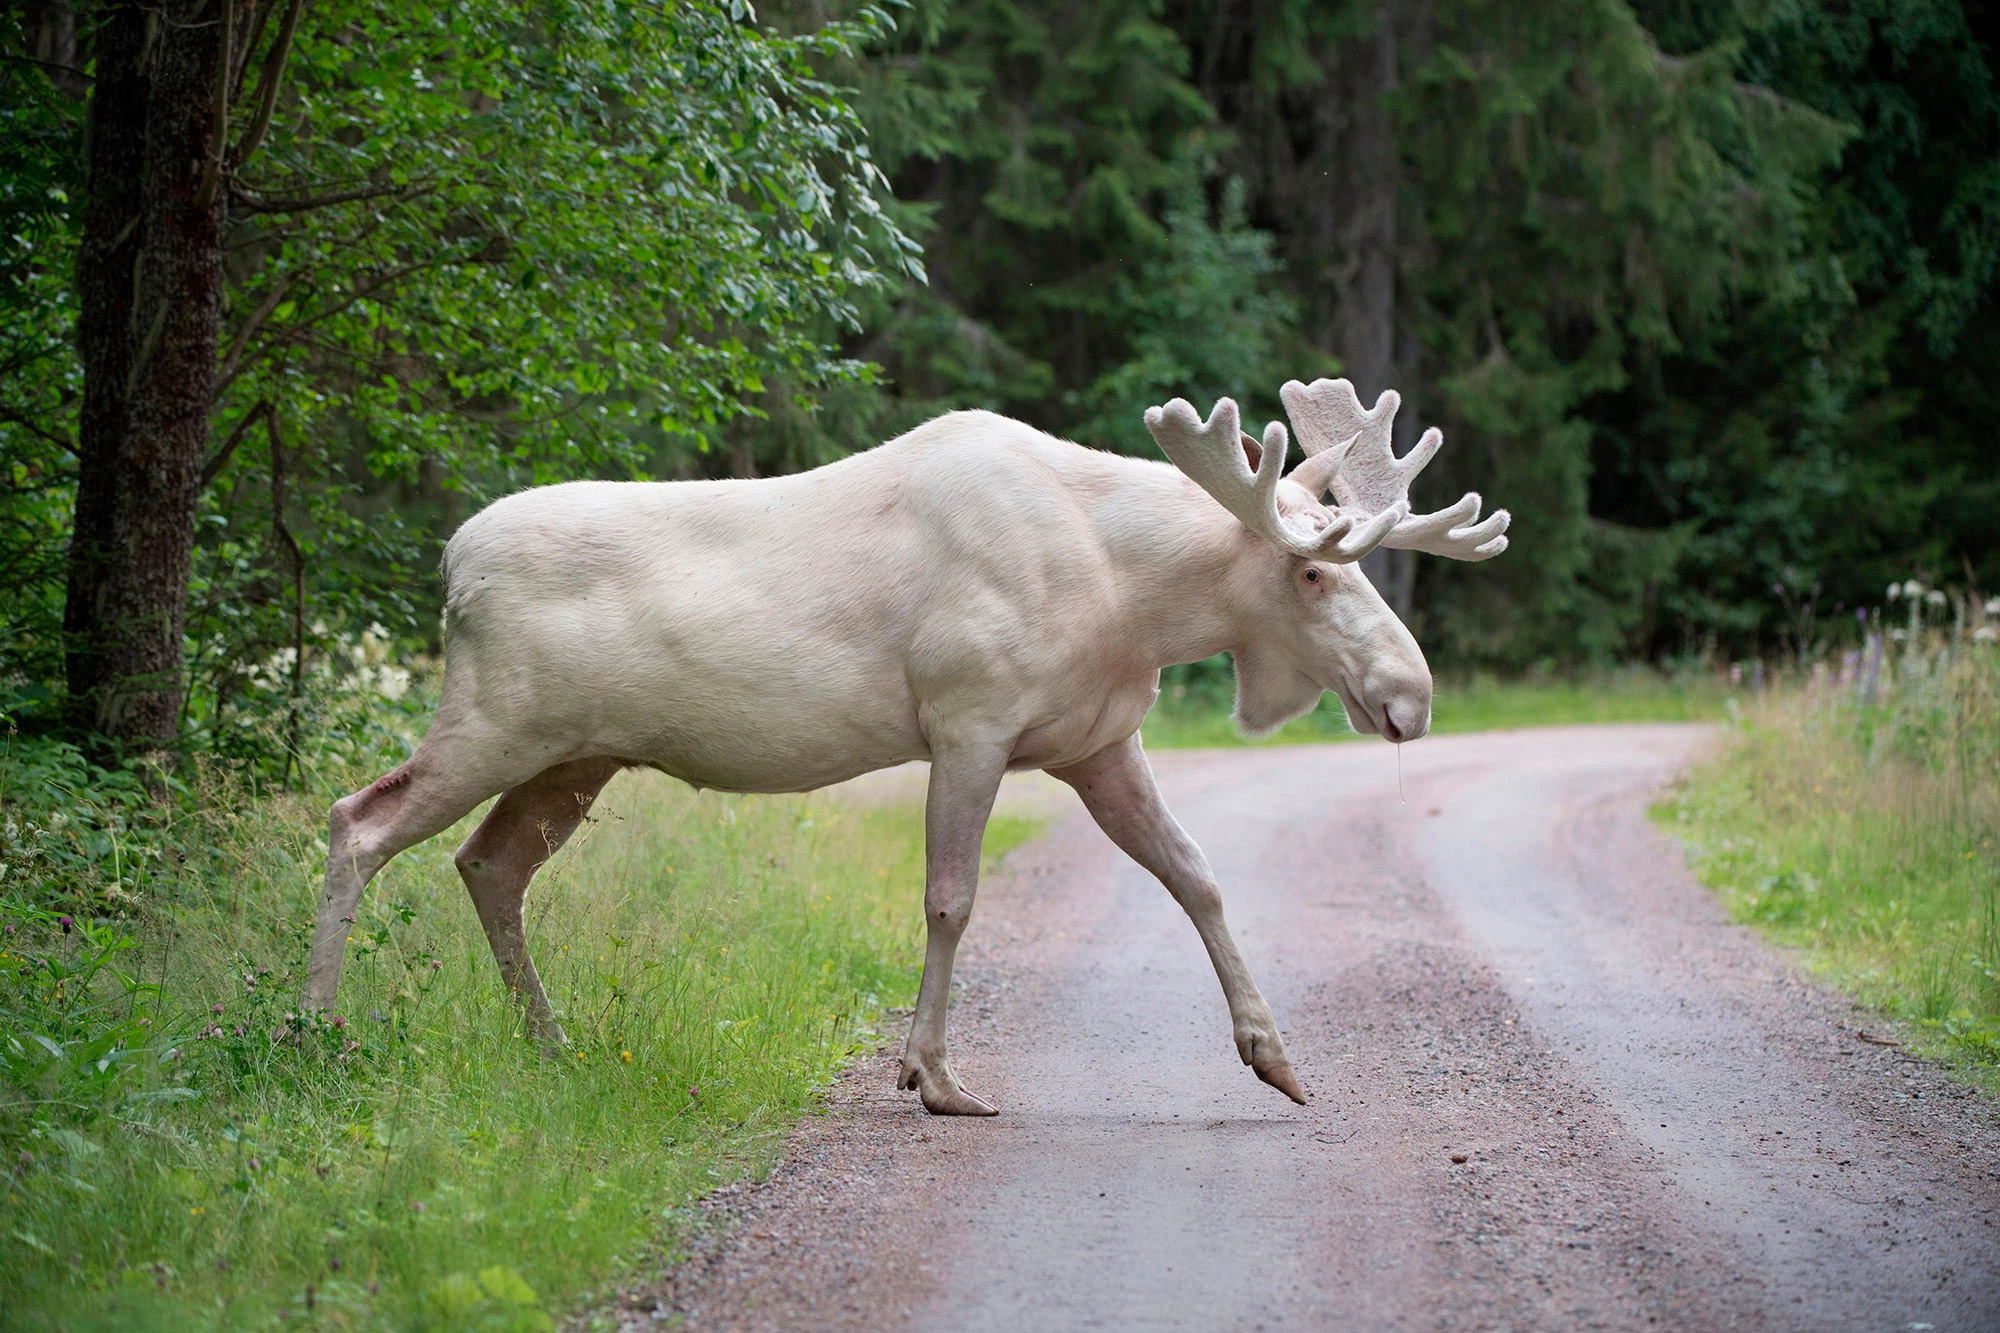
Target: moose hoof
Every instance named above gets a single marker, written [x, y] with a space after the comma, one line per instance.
[942, 1095]
[955, 1101]
[549, 1038]
[1279, 1075]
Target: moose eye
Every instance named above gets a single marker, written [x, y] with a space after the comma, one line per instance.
[1312, 576]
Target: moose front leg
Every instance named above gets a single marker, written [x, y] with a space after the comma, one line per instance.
[1117, 787]
[964, 781]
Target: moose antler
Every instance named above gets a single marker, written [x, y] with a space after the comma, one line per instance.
[1216, 456]
[1348, 449]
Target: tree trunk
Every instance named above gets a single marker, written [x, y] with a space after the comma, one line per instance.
[1323, 165]
[149, 284]
[1367, 340]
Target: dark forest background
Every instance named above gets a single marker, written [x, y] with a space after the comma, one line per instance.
[1702, 291]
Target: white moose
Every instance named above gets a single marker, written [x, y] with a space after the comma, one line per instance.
[975, 593]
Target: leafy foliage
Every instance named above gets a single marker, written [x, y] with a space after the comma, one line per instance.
[1702, 289]
[40, 130]
[482, 246]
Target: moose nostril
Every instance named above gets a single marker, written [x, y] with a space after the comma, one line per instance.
[1390, 730]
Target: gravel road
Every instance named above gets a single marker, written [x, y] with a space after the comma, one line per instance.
[1551, 1087]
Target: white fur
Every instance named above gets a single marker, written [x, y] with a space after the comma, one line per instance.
[976, 593]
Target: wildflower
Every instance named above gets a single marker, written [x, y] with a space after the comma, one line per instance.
[416, 1205]
[1986, 634]
[627, 1055]
[65, 923]
[1992, 609]
[215, 1009]
[1935, 597]
[1913, 589]
[436, 963]
[339, 1022]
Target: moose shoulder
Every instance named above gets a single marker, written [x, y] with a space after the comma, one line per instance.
[975, 593]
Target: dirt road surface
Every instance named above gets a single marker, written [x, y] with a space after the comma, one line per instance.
[1551, 1087]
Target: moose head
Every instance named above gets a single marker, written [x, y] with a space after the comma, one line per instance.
[1323, 625]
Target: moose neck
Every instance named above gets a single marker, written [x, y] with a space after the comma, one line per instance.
[1192, 571]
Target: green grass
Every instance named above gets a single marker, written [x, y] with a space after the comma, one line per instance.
[421, 1165]
[1195, 712]
[1868, 839]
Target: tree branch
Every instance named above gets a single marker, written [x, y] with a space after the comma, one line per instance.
[358, 293]
[267, 86]
[296, 333]
[250, 326]
[218, 135]
[284, 534]
[242, 71]
[47, 64]
[62, 442]
[213, 467]
[255, 204]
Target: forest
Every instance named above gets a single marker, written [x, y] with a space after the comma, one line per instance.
[1701, 291]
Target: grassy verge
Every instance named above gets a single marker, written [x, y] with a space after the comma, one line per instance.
[1194, 709]
[185, 1152]
[1869, 840]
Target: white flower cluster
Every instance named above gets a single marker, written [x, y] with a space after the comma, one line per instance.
[1974, 618]
[360, 662]
[1916, 591]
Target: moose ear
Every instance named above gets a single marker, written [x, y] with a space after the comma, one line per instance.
[1252, 450]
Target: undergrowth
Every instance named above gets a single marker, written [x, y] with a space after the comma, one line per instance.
[1867, 835]
[185, 1150]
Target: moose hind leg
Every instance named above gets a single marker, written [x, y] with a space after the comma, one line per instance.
[365, 831]
[520, 833]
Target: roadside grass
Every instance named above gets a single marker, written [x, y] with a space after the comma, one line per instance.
[1868, 838]
[185, 1152]
[1194, 705]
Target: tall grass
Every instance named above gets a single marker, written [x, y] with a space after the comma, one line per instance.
[186, 1151]
[1859, 821]
[1194, 706]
